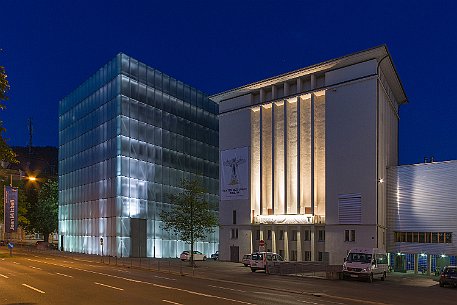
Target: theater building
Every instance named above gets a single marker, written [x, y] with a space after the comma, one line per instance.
[128, 135]
[304, 158]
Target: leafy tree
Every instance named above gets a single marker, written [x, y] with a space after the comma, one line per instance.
[43, 213]
[6, 153]
[190, 216]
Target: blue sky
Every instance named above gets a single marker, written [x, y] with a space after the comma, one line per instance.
[50, 47]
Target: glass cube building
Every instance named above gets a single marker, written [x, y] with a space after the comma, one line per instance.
[127, 137]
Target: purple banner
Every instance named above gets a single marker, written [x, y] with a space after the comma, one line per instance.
[10, 197]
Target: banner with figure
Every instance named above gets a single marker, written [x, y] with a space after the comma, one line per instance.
[10, 204]
[234, 174]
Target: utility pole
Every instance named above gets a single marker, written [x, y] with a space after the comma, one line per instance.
[30, 127]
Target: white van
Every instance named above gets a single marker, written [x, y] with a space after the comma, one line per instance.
[259, 260]
[366, 263]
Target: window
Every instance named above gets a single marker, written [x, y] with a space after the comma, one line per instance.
[234, 217]
[281, 253]
[320, 256]
[281, 235]
[307, 235]
[294, 235]
[257, 234]
[234, 234]
[307, 256]
[321, 235]
[349, 235]
[268, 234]
[423, 237]
[293, 255]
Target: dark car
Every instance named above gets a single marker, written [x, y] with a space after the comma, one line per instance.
[215, 256]
[448, 276]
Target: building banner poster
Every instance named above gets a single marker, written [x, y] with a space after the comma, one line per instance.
[234, 174]
[10, 204]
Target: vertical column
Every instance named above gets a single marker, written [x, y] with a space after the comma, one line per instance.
[299, 245]
[273, 106]
[273, 92]
[262, 95]
[285, 156]
[299, 85]
[286, 89]
[273, 239]
[298, 157]
[416, 263]
[261, 156]
[429, 264]
[313, 81]
[312, 152]
[286, 244]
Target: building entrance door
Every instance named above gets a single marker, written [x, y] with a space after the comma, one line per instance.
[235, 254]
[138, 237]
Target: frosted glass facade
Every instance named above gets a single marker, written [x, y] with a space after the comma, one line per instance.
[127, 137]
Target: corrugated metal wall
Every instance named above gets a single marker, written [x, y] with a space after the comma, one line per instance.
[422, 198]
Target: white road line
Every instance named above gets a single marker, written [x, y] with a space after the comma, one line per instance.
[63, 274]
[33, 288]
[35, 268]
[108, 286]
[4, 276]
[16, 263]
[166, 301]
[225, 288]
[155, 285]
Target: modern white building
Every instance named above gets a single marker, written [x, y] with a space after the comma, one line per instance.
[304, 157]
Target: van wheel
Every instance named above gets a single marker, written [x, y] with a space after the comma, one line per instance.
[370, 279]
[383, 276]
[252, 270]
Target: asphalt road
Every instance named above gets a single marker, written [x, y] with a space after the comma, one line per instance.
[58, 278]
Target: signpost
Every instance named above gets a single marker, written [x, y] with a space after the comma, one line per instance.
[101, 243]
[261, 245]
[11, 246]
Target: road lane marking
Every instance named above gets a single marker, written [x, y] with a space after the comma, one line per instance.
[155, 285]
[33, 288]
[225, 288]
[166, 301]
[63, 274]
[16, 263]
[108, 286]
[4, 276]
[201, 294]
[35, 268]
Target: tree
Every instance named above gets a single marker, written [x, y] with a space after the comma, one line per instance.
[43, 213]
[190, 216]
[6, 153]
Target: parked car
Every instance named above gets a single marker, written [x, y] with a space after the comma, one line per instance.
[215, 256]
[198, 256]
[367, 263]
[259, 260]
[448, 276]
[246, 260]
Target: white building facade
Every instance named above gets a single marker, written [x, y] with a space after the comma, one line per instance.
[303, 159]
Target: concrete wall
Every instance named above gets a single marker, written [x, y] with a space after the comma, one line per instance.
[235, 132]
[351, 148]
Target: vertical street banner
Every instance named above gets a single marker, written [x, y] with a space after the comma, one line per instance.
[234, 174]
[10, 204]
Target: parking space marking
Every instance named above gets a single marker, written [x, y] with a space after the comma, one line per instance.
[166, 301]
[33, 288]
[112, 287]
[64, 274]
[4, 276]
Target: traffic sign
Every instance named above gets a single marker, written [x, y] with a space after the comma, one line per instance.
[10, 245]
[101, 241]
[261, 243]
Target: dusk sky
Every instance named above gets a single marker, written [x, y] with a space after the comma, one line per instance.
[50, 47]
